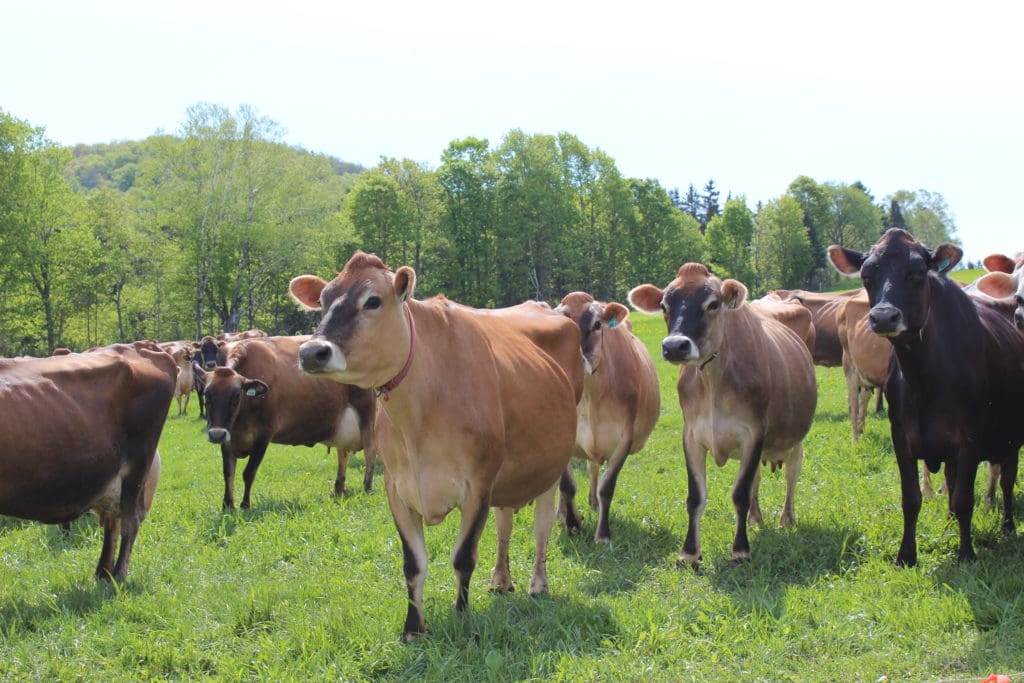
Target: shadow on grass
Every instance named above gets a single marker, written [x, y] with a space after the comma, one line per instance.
[79, 600]
[620, 565]
[223, 525]
[787, 557]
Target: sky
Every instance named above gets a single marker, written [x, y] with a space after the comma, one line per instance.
[899, 95]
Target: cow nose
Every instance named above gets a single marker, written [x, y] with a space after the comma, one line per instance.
[314, 355]
[677, 348]
[218, 435]
[884, 318]
[210, 365]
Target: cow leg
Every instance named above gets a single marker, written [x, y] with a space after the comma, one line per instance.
[754, 516]
[249, 474]
[501, 579]
[962, 505]
[1007, 473]
[926, 481]
[852, 394]
[127, 525]
[543, 520]
[696, 498]
[794, 464]
[741, 492]
[339, 479]
[911, 501]
[993, 478]
[594, 475]
[414, 551]
[464, 556]
[228, 456]
[864, 398]
[879, 406]
[111, 531]
[369, 451]
[188, 397]
[567, 509]
[606, 488]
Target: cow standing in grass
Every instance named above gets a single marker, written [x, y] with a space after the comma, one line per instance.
[956, 385]
[477, 409]
[620, 404]
[746, 387]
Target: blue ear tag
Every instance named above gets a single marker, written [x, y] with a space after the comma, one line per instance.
[612, 323]
[943, 265]
[250, 392]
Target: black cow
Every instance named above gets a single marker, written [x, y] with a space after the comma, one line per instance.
[956, 383]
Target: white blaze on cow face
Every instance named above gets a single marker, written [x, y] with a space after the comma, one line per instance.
[364, 336]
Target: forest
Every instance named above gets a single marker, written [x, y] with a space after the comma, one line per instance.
[198, 232]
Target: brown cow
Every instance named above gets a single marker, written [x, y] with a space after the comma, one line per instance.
[261, 397]
[865, 358]
[181, 352]
[791, 313]
[746, 387]
[823, 307]
[79, 432]
[479, 409]
[620, 405]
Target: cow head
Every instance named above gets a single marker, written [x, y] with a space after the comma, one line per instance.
[593, 318]
[225, 393]
[1001, 285]
[364, 336]
[896, 273]
[693, 305]
[208, 353]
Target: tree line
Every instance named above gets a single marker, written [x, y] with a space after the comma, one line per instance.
[198, 232]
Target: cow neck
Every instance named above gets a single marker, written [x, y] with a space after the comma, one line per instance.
[384, 390]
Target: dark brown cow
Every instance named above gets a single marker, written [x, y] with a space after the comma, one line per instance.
[79, 432]
[746, 387]
[479, 409]
[261, 397]
[620, 404]
[865, 358]
[956, 384]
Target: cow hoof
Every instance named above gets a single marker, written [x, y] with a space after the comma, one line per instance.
[602, 539]
[502, 590]
[411, 636]
[739, 560]
[538, 587]
[688, 561]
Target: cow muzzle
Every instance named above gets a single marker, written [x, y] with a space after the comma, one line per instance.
[218, 435]
[886, 320]
[317, 356]
[678, 348]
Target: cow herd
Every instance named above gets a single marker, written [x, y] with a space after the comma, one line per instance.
[481, 409]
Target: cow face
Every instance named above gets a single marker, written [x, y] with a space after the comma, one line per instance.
[896, 274]
[364, 336]
[225, 393]
[593, 318]
[209, 353]
[693, 306]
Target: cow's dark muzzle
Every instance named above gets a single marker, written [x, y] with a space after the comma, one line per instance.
[678, 349]
[886, 320]
[218, 435]
[314, 356]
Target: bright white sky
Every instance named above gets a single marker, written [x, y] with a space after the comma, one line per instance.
[897, 94]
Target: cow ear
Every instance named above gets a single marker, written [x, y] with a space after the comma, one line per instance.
[405, 283]
[997, 284]
[646, 298]
[846, 261]
[734, 293]
[945, 257]
[614, 314]
[998, 263]
[305, 291]
[254, 388]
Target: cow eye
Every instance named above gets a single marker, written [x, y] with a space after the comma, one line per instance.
[714, 305]
[597, 325]
[664, 308]
[371, 303]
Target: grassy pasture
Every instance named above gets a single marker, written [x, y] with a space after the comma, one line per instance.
[307, 586]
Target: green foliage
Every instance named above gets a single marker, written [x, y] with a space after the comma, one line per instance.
[305, 586]
[926, 216]
[729, 242]
[782, 247]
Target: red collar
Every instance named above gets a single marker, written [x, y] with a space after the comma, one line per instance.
[384, 390]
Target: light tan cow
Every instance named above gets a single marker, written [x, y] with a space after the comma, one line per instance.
[181, 352]
[746, 387]
[865, 358]
[477, 409]
[620, 405]
[791, 313]
[823, 307]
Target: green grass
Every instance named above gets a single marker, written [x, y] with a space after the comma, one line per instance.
[305, 586]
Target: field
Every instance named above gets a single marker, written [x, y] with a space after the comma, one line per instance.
[305, 586]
